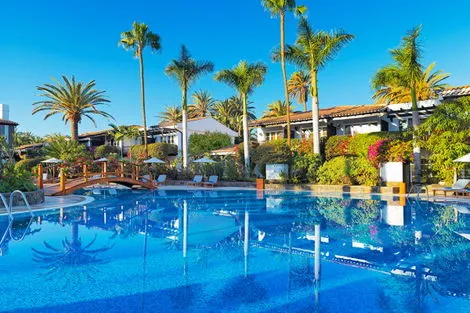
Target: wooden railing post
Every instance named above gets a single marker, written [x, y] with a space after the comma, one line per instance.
[136, 172]
[105, 169]
[85, 172]
[40, 178]
[62, 179]
[122, 169]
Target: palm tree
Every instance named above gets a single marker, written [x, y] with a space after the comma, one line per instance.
[244, 78]
[280, 8]
[119, 133]
[171, 115]
[230, 113]
[428, 87]
[74, 100]
[25, 138]
[276, 109]
[407, 73]
[186, 71]
[203, 104]
[312, 51]
[298, 86]
[136, 40]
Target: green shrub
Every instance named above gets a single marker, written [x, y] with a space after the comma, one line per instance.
[305, 167]
[160, 150]
[335, 171]
[104, 151]
[64, 149]
[29, 164]
[15, 178]
[200, 144]
[273, 152]
[363, 172]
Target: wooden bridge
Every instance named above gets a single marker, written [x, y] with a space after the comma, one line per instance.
[71, 179]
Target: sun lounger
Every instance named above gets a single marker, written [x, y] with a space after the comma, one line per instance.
[212, 181]
[459, 187]
[197, 180]
[160, 180]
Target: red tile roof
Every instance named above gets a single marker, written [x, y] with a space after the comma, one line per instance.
[338, 111]
[166, 124]
[225, 151]
[7, 122]
[456, 92]
[101, 132]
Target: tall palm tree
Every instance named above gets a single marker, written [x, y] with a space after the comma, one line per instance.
[299, 86]
[137, 39]
[244, 77]
[186, 71]
[276, 109]
[119, 133]
[428, 87]
[73, 100]
[406, 72]
[171, 115]
[312, 51]
[280, 8]
[203, 104]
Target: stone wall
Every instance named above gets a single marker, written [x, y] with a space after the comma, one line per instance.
[33, 197]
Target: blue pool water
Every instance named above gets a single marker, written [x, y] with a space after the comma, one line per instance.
[237, 251]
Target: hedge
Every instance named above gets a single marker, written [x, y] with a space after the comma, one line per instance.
[160, 150]
[28, 164]
[105, 151]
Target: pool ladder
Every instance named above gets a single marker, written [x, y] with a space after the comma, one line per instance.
[9, 205]
[415, 201]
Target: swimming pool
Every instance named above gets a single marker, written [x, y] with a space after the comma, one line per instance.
[237, 251]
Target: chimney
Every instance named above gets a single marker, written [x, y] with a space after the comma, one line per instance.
[4, 111]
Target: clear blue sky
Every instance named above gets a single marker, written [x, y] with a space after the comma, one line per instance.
[44, 39]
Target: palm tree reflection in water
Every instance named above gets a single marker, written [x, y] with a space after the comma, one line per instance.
[70, 256]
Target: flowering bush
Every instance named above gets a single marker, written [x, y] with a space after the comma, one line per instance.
[376, 152]
[337, 146]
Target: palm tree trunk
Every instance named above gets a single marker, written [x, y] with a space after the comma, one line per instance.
[185, 127]
[74, 129]
[416, 147]
[284, 75]
[142, 96]
[246, 137]
[305, 105]
[315, 114]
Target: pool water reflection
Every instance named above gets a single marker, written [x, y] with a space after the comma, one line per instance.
[237, 251]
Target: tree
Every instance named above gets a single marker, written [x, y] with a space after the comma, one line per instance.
[406, 72]
[203, 104]
[137, 39]
[171, 115]
[445, 135]
[64, 149]
[429, 87]
[119, 133]
[299, 86]
[25, 138]
[276, 109]
[186, 71]
[244, 77]
[199, 144]
[312, 51]
[280, 8]
[73, 100]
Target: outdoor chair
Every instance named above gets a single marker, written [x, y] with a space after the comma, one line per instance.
[212, 181]
[160, 180]
[197, 180]
[460, 186]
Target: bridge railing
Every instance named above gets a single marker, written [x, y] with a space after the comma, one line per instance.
[82, 173]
